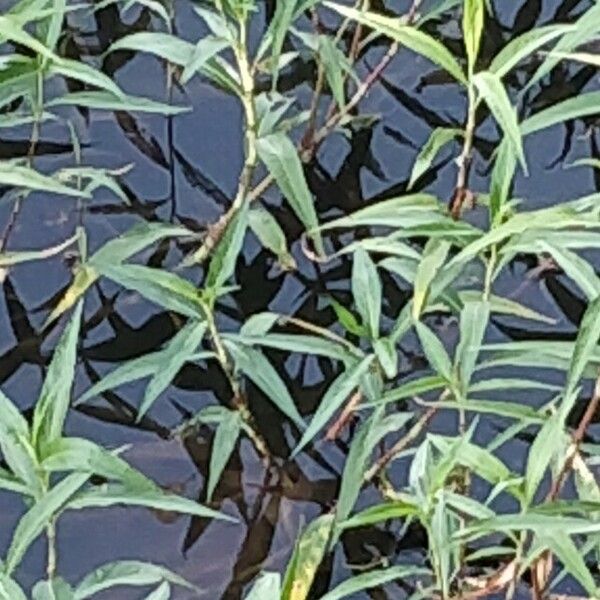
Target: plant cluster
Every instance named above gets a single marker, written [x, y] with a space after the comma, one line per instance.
[446, 254]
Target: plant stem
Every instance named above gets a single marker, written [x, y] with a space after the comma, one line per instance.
[52, 556]
[239, 399]
[246, 72]
[461, 190]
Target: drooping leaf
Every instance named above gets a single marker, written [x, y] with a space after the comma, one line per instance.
[15, 443]
[205, 49]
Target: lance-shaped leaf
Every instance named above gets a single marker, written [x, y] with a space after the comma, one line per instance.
[281, 158]
[409, 36]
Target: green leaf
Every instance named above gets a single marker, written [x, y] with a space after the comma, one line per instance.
[404, 212]
[398, 509]
[261, 372]
[585, 28]
[473, 323]
[16, 446]
[157, 499]
[259, 324]
[162, 592]
[563, 547]
[271, 236]
[55, 589]
[365, 440]
[434, 351]
[501, 180]
[308, 554]
[281, 158]
[303, 344]
[164, 45]
[523, 46]
[336, 65]
[224, 442]
[482, 462]
[102, 100]
[10, 589]
[578, 269]
[347, 319]
[367, 292]
[585, 344]
[268, 585]
[80, 71]
[275, 35]
[114, 252]
[55, 397]
[437, 140]
[387, 355]
[506, 306]
[174, 355]
[434, 256]
[333, 399]
[125, 573]
[493, 92]
[409, 36]
[222, 264]
[156, 285]
[542, 451]
[472, 25]
[19, 176]
[11, 30]
[35, 520]
[375, 578]
[204, 51]
[582, 105]
[414, 388]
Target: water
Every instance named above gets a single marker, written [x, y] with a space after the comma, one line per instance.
[205, 149]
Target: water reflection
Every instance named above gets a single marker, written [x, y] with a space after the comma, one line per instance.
[185, 171]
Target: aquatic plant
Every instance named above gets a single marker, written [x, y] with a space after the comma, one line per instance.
[488, 525]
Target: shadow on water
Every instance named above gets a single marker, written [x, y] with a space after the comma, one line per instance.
[185, 171]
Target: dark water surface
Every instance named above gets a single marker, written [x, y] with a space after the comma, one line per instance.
[189, 177]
